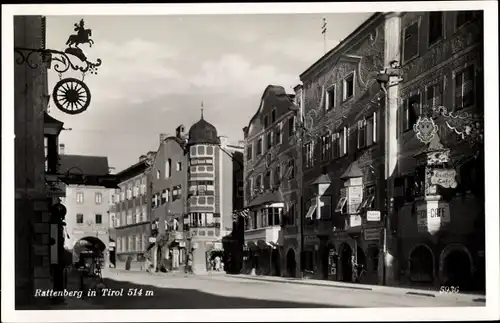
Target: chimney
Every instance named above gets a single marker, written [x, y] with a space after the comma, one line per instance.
[241, 143]
[179, 132]
[163, 136]
[61, 149]
[223, 141]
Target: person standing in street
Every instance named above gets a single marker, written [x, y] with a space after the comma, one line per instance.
[189, 267]
[217, 263]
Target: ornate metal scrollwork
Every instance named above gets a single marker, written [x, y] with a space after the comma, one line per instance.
[70, 95]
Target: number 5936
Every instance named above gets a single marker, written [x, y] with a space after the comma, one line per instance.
[449, 289]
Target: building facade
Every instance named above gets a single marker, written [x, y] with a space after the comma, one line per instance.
[130, 214]
[368, 205]
[87, 206]
[168, 181]
[32, 202]
[214, 189]
[342, 157]
[442, 67]
[271, 186]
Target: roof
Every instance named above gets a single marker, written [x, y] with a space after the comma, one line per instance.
[342, 44]
[352, 171]
[268, 197]
[133, 170]
[323, 179]
[85, 165]
[53, 124]
[203, 132]
[279, 92]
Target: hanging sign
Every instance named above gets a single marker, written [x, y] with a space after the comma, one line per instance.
[354, 198]
[432, 215]
[444, 178]
[373, 216]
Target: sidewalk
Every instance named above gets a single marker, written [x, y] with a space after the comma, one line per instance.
[376, 288]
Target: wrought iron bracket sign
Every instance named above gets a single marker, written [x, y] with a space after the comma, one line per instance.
[70, 95]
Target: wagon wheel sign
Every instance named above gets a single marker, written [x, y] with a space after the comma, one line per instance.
[71, 96]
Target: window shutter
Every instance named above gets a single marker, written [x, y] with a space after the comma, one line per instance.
[375, 127]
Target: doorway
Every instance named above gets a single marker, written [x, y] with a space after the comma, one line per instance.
[346, 262]
[276, 263]
[421, 265]
[456, 270]
[291, 265]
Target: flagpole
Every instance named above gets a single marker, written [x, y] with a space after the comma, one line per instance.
[323, 31]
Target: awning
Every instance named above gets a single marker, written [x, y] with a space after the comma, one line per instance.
[311, 210]
[267, 197]
[367, 203]
[278, 204]
[251, 245]
[341, 204]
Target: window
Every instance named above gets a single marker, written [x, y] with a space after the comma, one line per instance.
[291, 168]
[168, 168]
[464, 88]
[434, 95]
[361, 133]
[435, 26]
[277, 175]
[98, 198]
[129, 192]
[266, 121]
[325, 207]
[258, 182]
[330, 98]
[291, 126]
[144, 213]
[131, 243]
[290, 219]
[259, 146]
[326, 147]
[411, 111]
[269, 140]
[309, 154]
[129, 217]
[279, 134]
[410, 42]
[138, 242]
[371, 129]
[176, 192]
[342, 142]
[249, 152]
[464, 17]
[79, 218]
[98, 218]
[79, 197]
[273, 115]
[341, 205]
[267, 180]
[158, 174]
[348, 86]
[179, 166]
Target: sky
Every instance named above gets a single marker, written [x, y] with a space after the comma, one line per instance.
[157, 70]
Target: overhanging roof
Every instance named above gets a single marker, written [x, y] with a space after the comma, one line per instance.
[267, 197]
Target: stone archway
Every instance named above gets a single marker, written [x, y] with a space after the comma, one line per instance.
[345, 264]
[291, 263]
[87, 248]
[421, 264]
[456, 267]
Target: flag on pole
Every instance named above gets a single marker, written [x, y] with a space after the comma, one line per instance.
[323, 28]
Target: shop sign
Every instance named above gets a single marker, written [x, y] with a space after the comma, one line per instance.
[152, 239]
[372, 234]
[432, 215]
[355, 220]
[311, 239]
[372, 216]
[444, 178]
[112, 244]
[354, 198]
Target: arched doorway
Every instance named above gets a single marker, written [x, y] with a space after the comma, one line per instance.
[88, 251]
[346, 262]
[291, 265]
[456, 268]
[275, 256]
[421, 265]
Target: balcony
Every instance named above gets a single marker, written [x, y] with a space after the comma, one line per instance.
[201, 204]
[268, 235]
[202, 231]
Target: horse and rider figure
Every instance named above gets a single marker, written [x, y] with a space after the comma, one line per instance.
[83, 35]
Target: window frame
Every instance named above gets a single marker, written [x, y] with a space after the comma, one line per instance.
[442, 36]
[461, 70]
[96, 217]
[407, 111]
[403, 42]
[331, 89]
[78, 215]
[78, 200]
[249, 151]
[274, 115]
[440, 84]
[352, 75]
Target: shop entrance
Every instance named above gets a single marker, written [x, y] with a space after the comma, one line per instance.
[346, 262]
[456, 269]
[276, 263]
[291, 265]
[421, 265]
